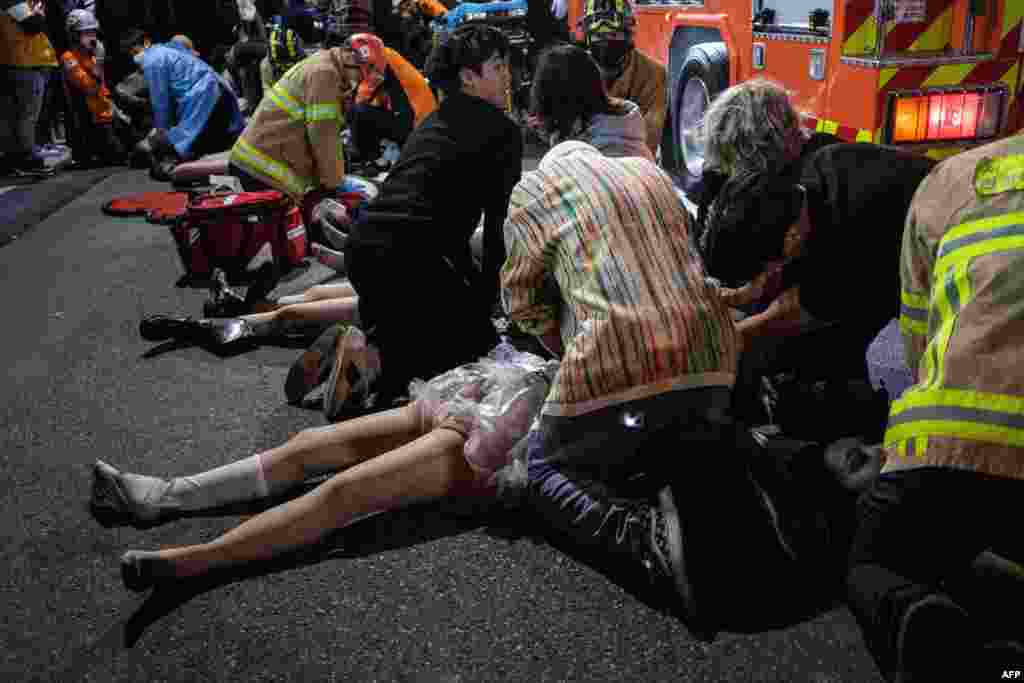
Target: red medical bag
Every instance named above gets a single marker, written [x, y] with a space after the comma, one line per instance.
[239, 232]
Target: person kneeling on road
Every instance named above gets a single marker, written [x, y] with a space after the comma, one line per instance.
[392, 97]
[194, 112]
[601, 270]
[461, 162]
[83, 72]
[293, 140]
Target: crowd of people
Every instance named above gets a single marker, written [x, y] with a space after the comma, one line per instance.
[632, 419]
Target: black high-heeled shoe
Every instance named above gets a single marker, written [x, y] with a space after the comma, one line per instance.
[158, 328]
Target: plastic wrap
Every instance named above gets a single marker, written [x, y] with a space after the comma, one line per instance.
[493, 401]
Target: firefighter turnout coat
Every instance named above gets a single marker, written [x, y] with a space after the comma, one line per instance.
[643, 81]
[962, 317]
[293, 141]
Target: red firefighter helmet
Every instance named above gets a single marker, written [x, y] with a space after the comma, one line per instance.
[367, 51]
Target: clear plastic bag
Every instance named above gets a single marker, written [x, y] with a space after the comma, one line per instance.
[493, 401]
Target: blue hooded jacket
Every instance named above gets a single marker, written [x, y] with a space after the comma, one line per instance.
[183, 90]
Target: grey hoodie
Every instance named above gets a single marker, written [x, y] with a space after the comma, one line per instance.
[622, 134]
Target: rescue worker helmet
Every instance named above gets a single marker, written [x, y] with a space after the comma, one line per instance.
[608, 30]
[80, 20]
[367, 51]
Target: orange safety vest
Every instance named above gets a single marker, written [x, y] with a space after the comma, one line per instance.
[78, 73]
[416, 87]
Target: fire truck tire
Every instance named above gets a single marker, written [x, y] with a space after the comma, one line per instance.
[704, 75]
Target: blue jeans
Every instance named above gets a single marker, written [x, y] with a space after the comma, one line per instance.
[21, 101]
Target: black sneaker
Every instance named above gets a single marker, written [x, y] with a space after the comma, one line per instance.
[33, 167]
[934, 641]
[668, 559]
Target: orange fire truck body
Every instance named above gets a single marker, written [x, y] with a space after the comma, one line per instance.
[936, 75]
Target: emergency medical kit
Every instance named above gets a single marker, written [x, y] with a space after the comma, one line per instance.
[241, 233]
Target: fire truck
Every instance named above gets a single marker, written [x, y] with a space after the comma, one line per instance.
[936, 76]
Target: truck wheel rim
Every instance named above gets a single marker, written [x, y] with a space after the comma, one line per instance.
[695, 103]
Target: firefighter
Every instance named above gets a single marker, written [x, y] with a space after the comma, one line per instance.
[284, 50]
[292, 142]
[90, 97]
[194, 112]
[629, 73]
[951, 485]
[392, 97]
[819, 225]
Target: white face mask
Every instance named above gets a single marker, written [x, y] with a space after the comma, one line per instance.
[139, 58]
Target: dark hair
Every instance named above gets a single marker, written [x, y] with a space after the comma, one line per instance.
[567, 86]
[748, 222]
[133, 37]
[467, 47]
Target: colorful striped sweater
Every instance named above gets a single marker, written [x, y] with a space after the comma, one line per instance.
[601, 248]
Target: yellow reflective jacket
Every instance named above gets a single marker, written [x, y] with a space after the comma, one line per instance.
[24, 50]
[293, 141]
[962, 317]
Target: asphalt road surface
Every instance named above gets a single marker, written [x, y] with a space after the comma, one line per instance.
[430, 594]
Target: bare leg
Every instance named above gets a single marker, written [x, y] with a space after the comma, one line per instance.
[341, 290]
[430, 467]
[338, 310]
[121, 498]
[335, 447]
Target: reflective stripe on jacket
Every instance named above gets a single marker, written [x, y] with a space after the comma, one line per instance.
[79, 75]
[293, 140]
[962, 317]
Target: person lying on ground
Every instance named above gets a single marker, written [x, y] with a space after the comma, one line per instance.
[819, 223]
[392, 97]
[291, 143]
[448, 442]
[569, 102]
[460, 163]
[601, 269]
[194, 112]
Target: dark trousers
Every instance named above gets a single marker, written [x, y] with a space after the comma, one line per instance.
[216, 136]
[837, 352]
[370, 125]
[101, 142]
[917, 533]
[423, 315]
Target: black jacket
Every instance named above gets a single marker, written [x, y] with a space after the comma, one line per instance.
[462, 161]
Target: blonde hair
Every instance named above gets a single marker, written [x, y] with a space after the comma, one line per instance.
[750, 128]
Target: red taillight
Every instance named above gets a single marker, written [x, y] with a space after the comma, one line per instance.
[946, 116]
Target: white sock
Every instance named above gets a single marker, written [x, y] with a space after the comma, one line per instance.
[291, 299]
[237, 482]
